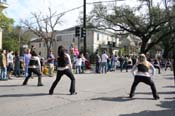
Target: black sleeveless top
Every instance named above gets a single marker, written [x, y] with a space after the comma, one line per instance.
[33, 62]
[142, 68]
[62, 62]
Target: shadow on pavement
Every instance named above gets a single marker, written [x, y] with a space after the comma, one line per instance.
[114, 99]
[10, 85]
[152, 113]
[147, 93]
[169, 76]
[24, 95]
[168, 105]
[169, 87]
[61, 94]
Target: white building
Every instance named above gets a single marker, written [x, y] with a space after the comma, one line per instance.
[129, 44]
[95, 39]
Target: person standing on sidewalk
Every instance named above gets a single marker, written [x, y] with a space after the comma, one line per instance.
[17, 71]
[51, 60]
[64, 67]
[104, 62]
[157, 64]
[3, 63]
[27, 57]
[9, 64]
[97, 62]
[141, 74]
[34, 67]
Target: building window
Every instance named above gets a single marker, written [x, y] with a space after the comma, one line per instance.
[98, 36]
[59, 38]
[73, 40]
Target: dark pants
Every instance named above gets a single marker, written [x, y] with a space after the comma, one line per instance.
[35, 71]
[97, 67]
[122, 64]
[129, 66]
[68, 73]
[157, 67]
[169, 66]
[146, 80]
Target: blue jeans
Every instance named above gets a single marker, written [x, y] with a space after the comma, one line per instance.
[4, 73]
[26, 71]
[78, 69]
[104, 67]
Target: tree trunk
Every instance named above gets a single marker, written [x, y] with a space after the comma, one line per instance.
[143, 47]
[174, 64]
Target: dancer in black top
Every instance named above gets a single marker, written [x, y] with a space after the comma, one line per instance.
[142, 74]
[64, 67]
[35, 67]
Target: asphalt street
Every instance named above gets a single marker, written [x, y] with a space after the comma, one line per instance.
[98, 95]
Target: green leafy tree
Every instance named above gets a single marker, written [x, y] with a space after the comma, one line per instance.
[10, 40]
[146, 21]
[14, 39]
[6, 25]
[169, 46]
[5, 22]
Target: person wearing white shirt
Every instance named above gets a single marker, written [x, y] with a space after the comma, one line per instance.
[10, 64]
[104, 60]
[78, 64]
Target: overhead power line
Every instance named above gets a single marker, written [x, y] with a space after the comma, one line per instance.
[70, 10]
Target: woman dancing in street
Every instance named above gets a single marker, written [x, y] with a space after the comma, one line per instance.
[64, 67]
[34, 67]
[142, 74]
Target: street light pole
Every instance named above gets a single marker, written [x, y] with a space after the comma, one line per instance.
[3, 5]
[84, 25]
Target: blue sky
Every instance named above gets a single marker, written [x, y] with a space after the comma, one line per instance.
[21, 9]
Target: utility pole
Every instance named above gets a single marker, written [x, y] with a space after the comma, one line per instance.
[84, 26]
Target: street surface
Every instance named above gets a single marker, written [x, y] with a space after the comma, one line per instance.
[98, 95]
